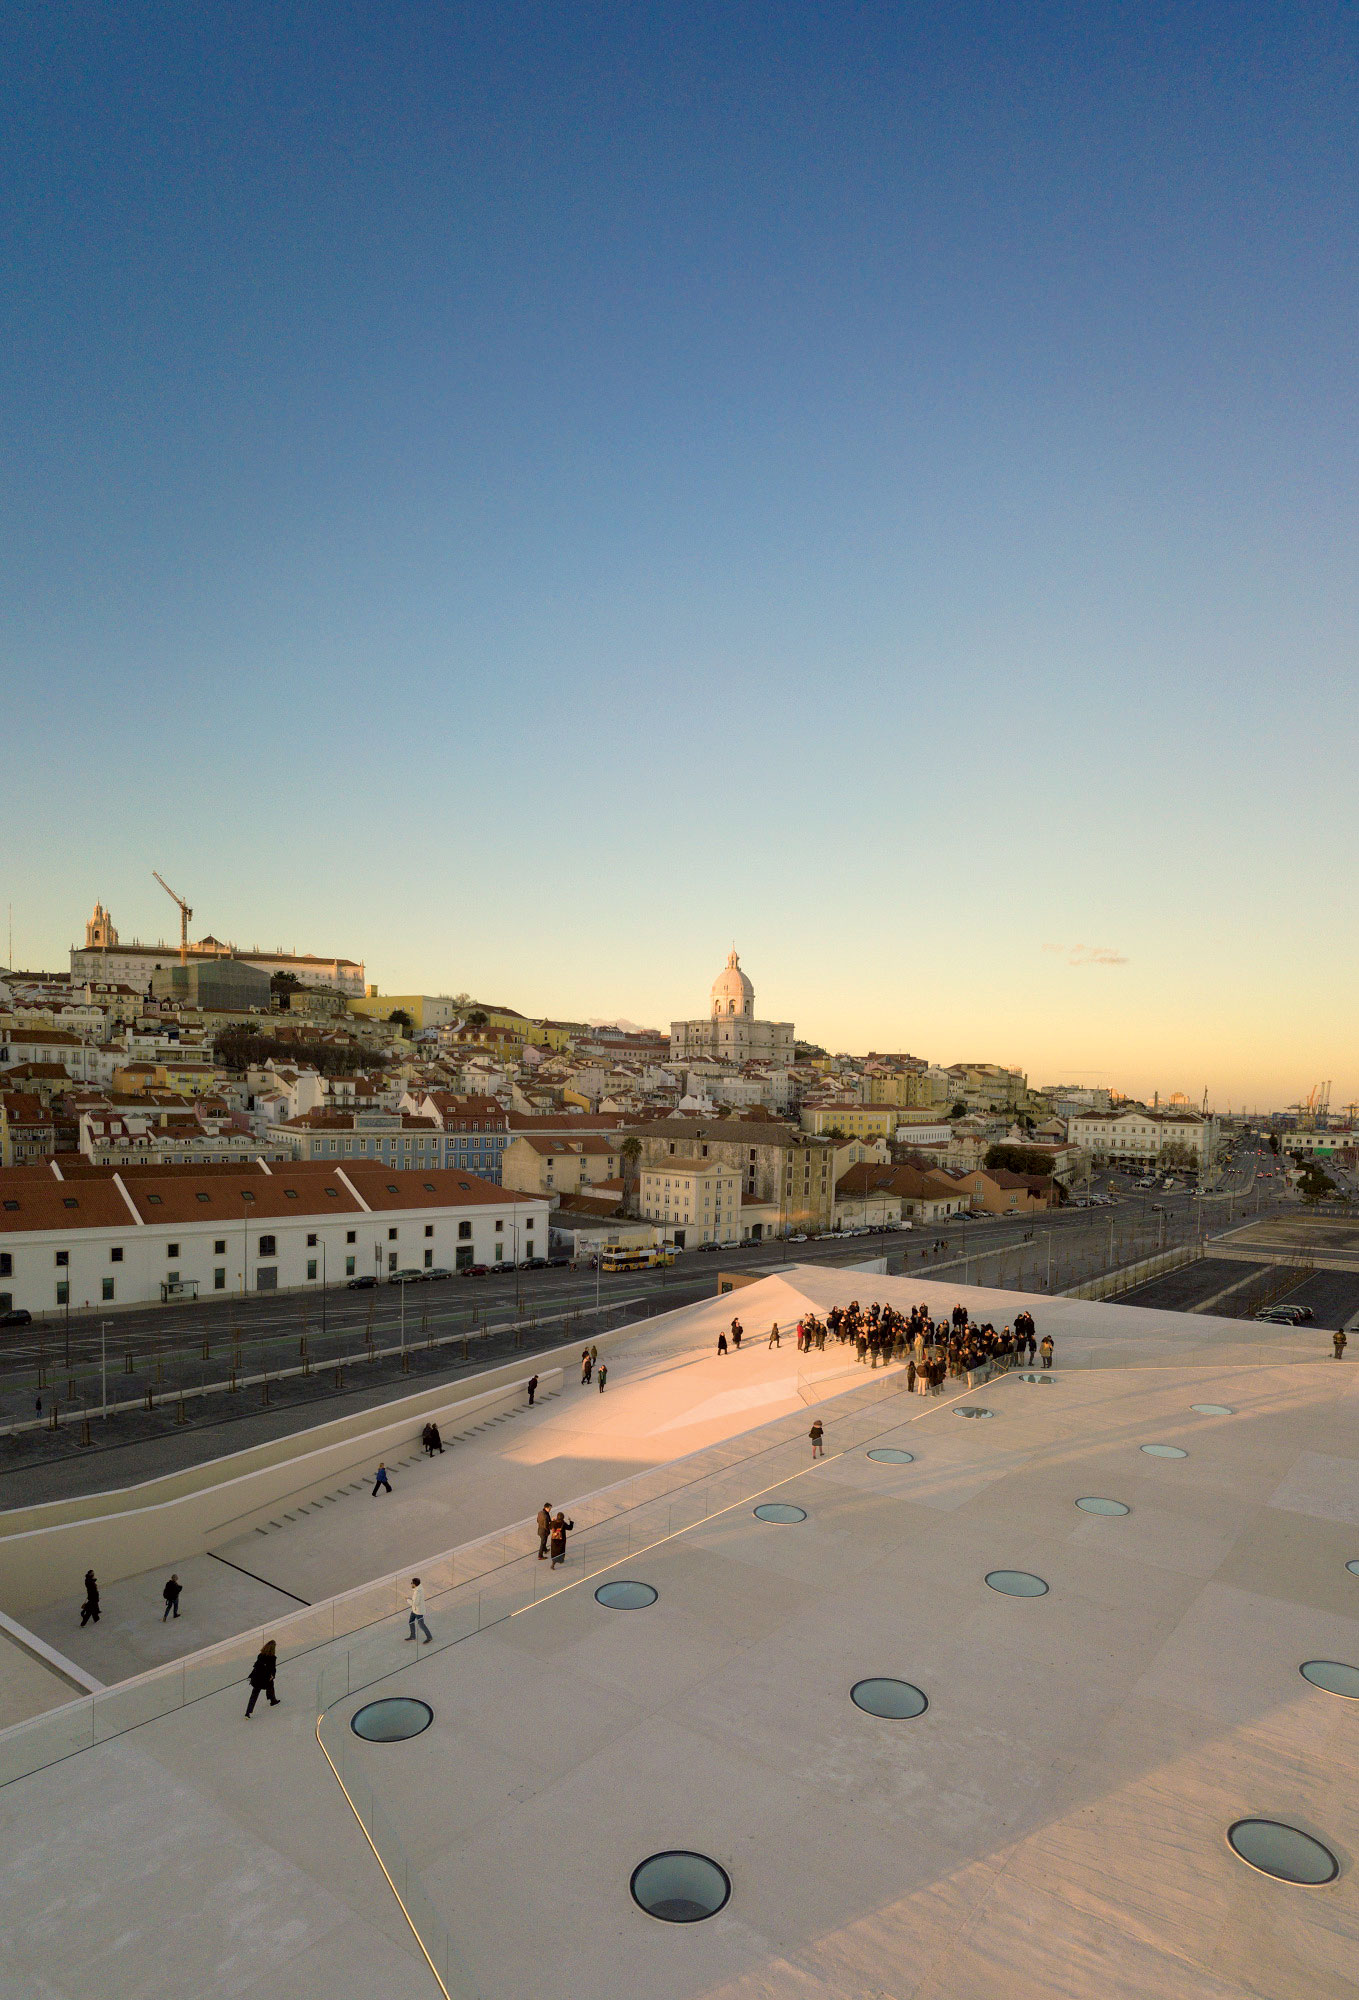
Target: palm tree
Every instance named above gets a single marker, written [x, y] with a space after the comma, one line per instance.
[630, 1152]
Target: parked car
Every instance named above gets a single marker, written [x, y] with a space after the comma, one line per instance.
[797, 1237]
[720, 1246]
[362, 1284]
[411, 1277]
[475, 1271]
[16, 1316]
[1285, 1315]
[534, 1264]
[437, 1272]
[559, 1263]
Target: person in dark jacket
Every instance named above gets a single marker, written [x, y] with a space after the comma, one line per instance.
[561, 1527]
[532, 1389]
[817, 1434]
[381, 1483]
[544, 1525]
[262, 1677]
[90, 1608]
[721, 1343]
[602, 1375]
[171, 1594]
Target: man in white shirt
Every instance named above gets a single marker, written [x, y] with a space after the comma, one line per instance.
[415, 1604]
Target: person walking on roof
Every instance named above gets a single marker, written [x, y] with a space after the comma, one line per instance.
[721, 1343]
[774, 1335]
[262, 1677]
[532, 1389]
[544, 1526]
[171, 1594]
[736, 1332]
[561, 1527]
[1339, 1343]
[603, 1375]
[586, 1366]
[415, 1605]
[1047, 1350]
[90, 1608]
[381, 1483]
[816, 1434]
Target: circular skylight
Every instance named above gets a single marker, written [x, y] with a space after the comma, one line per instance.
[895, 1700]
[1094, 1505]
[1043, 1381]
[891, 1456]
[392, 1719]
[1285, 1852]
[680, 1887]
[1333, 1675]
[1164, 1451]
[1016, 1583]
[778, 1510]
[625, 1596]
[1212, 1410]
[1353, 1567]
[973, 1410]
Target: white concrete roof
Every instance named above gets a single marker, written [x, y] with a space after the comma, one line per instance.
[1054, 1824]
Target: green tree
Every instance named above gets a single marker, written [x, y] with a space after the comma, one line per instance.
[399, 1018]
[959, 1109]
[1018, 1159]
[629, 1153]
[1274, 1144]
[1314, 1182]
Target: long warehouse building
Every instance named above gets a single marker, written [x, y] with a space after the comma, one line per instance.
[73, 1239]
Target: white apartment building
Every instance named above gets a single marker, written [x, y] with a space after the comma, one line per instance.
[1142, 1138]
[134, 1238]
[699, 1201]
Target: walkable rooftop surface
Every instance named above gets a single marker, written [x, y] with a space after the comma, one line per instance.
[1053, 1820]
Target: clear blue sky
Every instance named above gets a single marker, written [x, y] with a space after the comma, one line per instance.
[529, 495]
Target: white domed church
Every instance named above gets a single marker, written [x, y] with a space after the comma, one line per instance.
[729, 1032]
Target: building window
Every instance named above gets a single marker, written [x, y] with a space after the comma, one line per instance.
[429, 1229]
[349, 1267]
[391, 1236]
[267, 1246]
[391, 1260]
[172, 1249]
[6, 1264]
[115, 1256]
[63, 1259]
[499, 1224]
[311, 1267]
[219, 1247]
[106, 1289]
[311, 1243]
[219, 1280]
[350, 1236]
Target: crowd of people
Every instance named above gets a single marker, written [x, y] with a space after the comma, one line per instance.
[933, 1349]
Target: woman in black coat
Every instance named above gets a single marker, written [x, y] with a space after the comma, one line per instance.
[262, 1677]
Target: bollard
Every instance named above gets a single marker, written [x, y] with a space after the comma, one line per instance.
[405, 1361]
[231, 1385]
[265, 1386]
[339, 1376]
[127, 1362]
[150, 1400]
[52, 1420]
[70, 1389]
[85, 1437]
[207, 1351]
[181, 1415]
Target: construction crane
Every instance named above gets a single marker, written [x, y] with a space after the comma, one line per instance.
[184, 915]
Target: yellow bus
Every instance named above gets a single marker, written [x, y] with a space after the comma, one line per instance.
[633, 1257]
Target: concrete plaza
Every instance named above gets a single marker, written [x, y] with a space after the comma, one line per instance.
[1053, 1823]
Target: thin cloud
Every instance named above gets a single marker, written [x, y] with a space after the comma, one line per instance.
[1088, 954]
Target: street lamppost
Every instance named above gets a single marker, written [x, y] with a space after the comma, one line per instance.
[323, 1288]
[103, 1369]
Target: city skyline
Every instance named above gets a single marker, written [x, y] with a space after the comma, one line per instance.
[525, 497]
[946, 1041]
